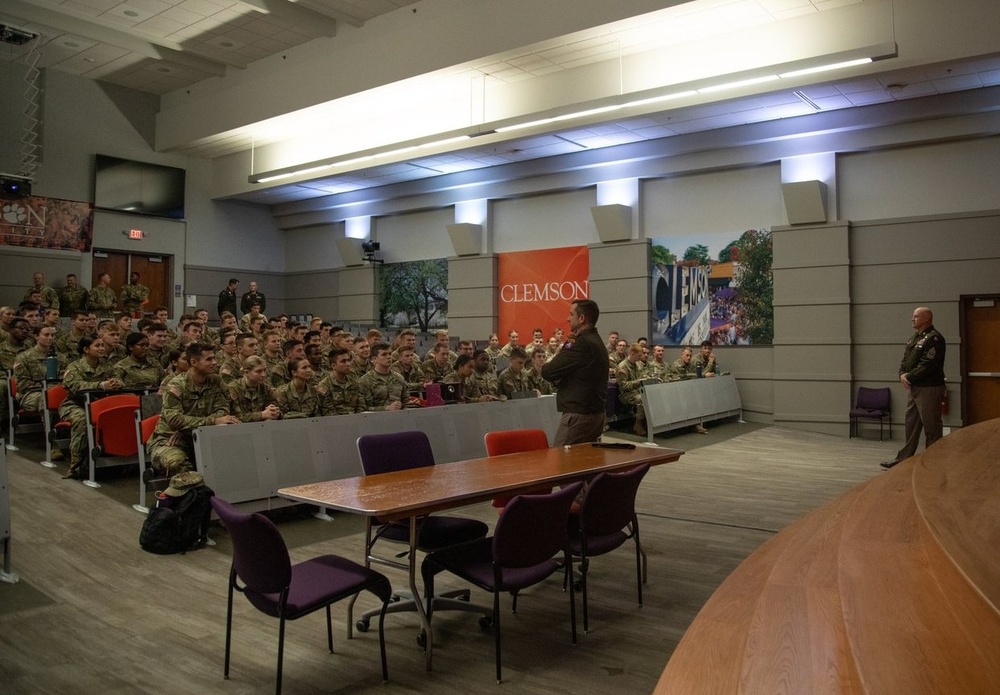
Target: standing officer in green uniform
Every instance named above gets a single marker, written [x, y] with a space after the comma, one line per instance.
[101, 298]
[193, 399]
[134, 295]
[227, 298]
[90, 372]
[921, 372]
[72, 297]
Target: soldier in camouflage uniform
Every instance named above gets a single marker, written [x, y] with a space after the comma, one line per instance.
[72, 297]
[406, 366]
[439, 365]
[29, 369]
[68, 344]
[706, 360]
[138, 370]
[462, 374]
[298, 398]
[111, 334]
[320, 364]
[230, 369]
[90, 372]
[273, 357]
[362, 357]
[656, 368]
[514, 379]
[381, 388]
[251, 395]
[193, 399]
[484, 386]
[339, 394]
[535, 378]
[683, 367]
[14, 342]
[629, 375]
[494, 351]
[6, 316]
[134, 295]
[101, 298]
[49, 297]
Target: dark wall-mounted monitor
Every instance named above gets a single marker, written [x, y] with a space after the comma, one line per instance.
[138, 187]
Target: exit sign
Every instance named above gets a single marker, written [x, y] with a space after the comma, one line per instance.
[135, 234]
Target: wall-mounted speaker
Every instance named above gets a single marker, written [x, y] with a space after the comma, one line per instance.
[350, 251]
[805, 201]
[613, 222]
[466, 238]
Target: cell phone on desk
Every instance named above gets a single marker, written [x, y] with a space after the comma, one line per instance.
[613, 445]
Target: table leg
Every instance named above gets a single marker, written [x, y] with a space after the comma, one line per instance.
[418, 597]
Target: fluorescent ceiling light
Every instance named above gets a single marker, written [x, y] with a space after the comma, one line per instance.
[824, 68]
[737, 84]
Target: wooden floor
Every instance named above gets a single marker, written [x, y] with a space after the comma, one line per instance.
[95, 614]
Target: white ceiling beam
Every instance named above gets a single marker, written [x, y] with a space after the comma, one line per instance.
[159, 49]
[296, 15]
[330, 12]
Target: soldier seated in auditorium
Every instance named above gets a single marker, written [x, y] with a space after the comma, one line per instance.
[535, 378]
[381, 388]
[339, 394]
[629, 375]
[514, 379]
[406, 366]
[706, 360]
[683, 367]
[251, 396]
[484, 383]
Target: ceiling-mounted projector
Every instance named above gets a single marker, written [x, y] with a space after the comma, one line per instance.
[12, 187]
[15, 36]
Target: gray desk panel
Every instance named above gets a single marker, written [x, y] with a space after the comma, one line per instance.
[677, 404]
[251, 461]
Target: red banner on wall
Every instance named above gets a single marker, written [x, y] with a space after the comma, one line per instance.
[535, 289]
[46, 223]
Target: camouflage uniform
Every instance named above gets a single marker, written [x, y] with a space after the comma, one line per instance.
[50, 298]
[8, 354]
[679, 370]
[230, 369]
[360, 368]
[139, 375]
[434, 371]
[68, 345]
[245, 321]
[538, 383]
[186, 405]
[484, 384]
[707, 367]
[376, 390]
[414, 377]
[249, 401]
[71, 300]
[133, 297]
[29, 371]
[510, 383]
[658, 370]
[80, 376]
[115, 354]
[494, 353]
[277, 369]
[101, 300]
[629, 377]
[339, 398]
[294, 404]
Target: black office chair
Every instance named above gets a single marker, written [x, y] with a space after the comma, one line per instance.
[530, 543]
[396, 451]
[285, 591]
[606, 520]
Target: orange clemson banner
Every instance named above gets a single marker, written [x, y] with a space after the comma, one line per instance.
[535, 289]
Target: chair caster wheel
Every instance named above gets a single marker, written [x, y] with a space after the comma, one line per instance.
[361, 626]
[422, 639]
[485, 622]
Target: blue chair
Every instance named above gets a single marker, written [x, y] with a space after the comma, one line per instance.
[285, 591]
[530, 543]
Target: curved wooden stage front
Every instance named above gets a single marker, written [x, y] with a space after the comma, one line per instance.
[894, 587]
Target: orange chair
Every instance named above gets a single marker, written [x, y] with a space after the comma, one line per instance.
[56, 431]
[512, 442]
[111, 432]
[21, 420]
[143, 431]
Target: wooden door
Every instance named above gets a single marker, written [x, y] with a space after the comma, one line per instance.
[154, 273]
[980, 325]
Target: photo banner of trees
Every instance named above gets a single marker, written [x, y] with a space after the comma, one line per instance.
[414, 294]
[728, 299]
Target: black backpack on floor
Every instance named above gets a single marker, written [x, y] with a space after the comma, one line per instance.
[181, 526]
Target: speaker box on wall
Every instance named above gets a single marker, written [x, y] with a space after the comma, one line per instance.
[613, 222]
[350, 251]
[805, 201]
[466, 238]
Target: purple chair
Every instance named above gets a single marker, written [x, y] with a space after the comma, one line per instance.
[872, 404]
[284, 591]
[606, 520]
[398, 451]
[525, 549]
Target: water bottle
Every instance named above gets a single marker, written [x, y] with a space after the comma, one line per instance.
[51, 365]
[697, 371]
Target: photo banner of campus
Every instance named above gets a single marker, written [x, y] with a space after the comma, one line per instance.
[535, 288]
[713, 287]
[414, 294]
[46, 223]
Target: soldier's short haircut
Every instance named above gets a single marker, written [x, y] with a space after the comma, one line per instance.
[134, 338]
[158, 309]
[337, 352]
[242, 338]
[156, 327]
[379, 347]
[18, 321]
[518, 353]
[189, 324]
[462, 361]
[252, 362]
[407, 331]
[588, 309]
[706, 343]
[289, 345]
[477, 353]
[80, 312]
[196, 349]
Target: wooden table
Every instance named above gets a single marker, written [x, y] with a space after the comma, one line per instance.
[413, 493]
